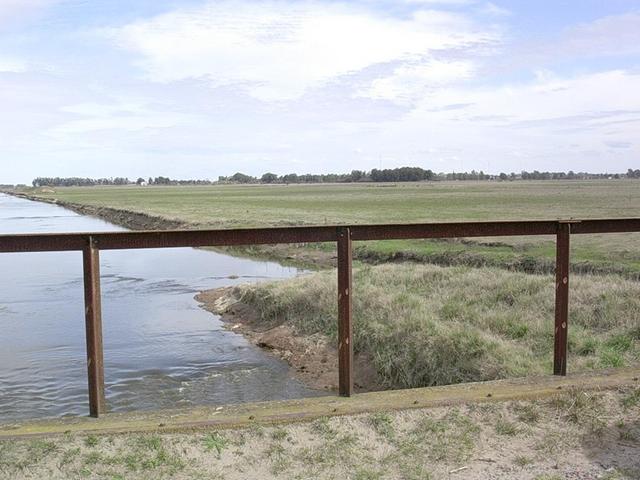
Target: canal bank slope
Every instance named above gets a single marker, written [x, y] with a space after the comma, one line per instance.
[421, 325]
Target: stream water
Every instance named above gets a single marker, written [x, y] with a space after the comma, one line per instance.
[161, 350]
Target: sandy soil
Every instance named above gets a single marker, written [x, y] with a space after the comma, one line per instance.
[576, 435]
[313, 360]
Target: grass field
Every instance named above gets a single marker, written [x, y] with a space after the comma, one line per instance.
[229, 206]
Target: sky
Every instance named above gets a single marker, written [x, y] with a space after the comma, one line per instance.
[198, 89]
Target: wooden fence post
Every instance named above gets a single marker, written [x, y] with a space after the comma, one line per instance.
[562, 299]
[93, 326]
[345, 326]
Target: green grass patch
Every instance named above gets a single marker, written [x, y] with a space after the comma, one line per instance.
[234, 206]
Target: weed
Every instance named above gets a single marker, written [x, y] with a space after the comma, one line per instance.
[382, 423]
[339, 449]
[413, 471]
[91, 441]
[450, 438]
[619, 343]
[505, 427]
[582, 408]
[522, 460]
[611, 359]
[256, 430]
[215, 441]
[367, 474]
[68, 456]
[279, 434]
[527, 412]
[93, 458]
[153, 442]
[631, 399]
[323, 428]
[39, 449]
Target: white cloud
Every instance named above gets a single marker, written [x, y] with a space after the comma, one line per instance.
[491, 8]
[278, 51]
[611, 35]
[543, 120]
[12, 65]
[589, 99]
[410, 81]
[124, 115]
[442, 2]
[10, 10]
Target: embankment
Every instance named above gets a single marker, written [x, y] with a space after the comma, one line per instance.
[424, 325]
[313, 357]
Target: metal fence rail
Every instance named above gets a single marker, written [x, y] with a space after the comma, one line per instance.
[91, 243]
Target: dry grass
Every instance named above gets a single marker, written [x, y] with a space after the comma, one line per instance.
[425, 325]
[425, 444]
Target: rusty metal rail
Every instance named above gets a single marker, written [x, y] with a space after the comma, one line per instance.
[90, 245]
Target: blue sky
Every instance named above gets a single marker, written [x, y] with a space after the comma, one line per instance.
[197, 89]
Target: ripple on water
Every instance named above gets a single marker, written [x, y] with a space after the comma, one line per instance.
[161, 349]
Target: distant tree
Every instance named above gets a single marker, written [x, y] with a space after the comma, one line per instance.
[357, 175]
[162, 181]
[241, 178]
[503, 176]
[269, 178]
[290, 178]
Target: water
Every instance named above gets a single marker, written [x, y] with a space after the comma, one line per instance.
[160, 348]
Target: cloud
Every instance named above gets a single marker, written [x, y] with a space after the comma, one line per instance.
[122, 115]
[618, 144]
[490, 8]
[12, 65]
[610, 35]
[548, 101]
[442, 2]
[408, 81]
[278, 51]
[539, 120]
[12, 10]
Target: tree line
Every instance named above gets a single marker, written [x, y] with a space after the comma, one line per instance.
[78, 181]
[402, 174]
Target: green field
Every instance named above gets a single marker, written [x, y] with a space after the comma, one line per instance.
[233, 206]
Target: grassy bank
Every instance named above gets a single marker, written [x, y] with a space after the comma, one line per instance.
[576, 434]
[425, 325]
[229, 206]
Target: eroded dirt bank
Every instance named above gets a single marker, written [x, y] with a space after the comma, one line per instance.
[123, 218]
[313, 360]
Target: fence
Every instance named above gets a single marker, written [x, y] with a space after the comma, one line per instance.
[91, 243]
